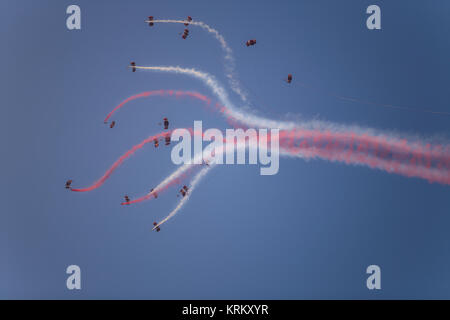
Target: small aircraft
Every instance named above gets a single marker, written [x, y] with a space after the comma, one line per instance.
[167, 139]
[156, 227]
[68, 183]
[166, 123]
[112, 124]
[189, 19]
[150, 23]
[127, 199]
[289, 78]
[133, 66]
[154, 193]
[250, 42]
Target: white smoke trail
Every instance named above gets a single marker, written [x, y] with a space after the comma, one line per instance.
[174, 175]
[252, 120]
[229, 60]
[209, 80]
[196, 178]
[183, 201]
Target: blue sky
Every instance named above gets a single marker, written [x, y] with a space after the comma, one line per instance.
[308, 232]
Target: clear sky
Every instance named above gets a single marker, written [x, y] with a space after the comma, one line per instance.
[308, 232]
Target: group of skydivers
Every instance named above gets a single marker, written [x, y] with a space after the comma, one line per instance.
[184, 190]
[185, 34]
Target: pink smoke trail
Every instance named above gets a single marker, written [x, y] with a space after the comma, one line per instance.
[162, 93]
[119, 161]
[394, 155]
[400, 156]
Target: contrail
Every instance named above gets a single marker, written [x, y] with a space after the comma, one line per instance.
[229, 59]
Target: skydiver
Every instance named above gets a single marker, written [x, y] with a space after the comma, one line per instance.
[156, 227]
[189, 19]
[289, 78]
[250, 42]
[167, 138]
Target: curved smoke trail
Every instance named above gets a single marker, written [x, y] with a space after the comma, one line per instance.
[229, 60]
[437, 155]
[162, 93]
[236, 86]
[176, 177]
[407, 158]
[119, 161]
[351, 145]
[211, 82]
[197, 178]
[126, 155]
[183, 201]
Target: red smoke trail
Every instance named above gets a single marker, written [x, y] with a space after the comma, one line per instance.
[162, 93]
[400, 156]
[125, 156]
[119, 161]
[176, 93]
[394, 155]
[412, 159]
